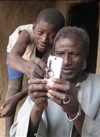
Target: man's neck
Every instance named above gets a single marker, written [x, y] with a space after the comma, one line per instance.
[79, 78]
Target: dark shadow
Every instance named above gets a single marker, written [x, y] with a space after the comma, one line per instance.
[86, 15]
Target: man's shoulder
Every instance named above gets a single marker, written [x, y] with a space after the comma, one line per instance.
[94, 79]
[93, 75]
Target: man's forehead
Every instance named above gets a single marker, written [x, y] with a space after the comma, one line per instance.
[68, 41]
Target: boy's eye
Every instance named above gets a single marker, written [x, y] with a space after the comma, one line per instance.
[52, 36]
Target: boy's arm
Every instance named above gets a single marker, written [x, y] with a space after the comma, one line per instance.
[22, 94]
[9, 105]
[15, 60]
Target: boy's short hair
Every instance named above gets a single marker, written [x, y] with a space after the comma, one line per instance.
[52, 16]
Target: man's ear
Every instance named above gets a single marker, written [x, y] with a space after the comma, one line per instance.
[33, 26]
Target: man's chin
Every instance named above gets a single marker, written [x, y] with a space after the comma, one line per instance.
[67, 77]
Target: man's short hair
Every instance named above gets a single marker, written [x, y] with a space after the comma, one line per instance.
[69, 31]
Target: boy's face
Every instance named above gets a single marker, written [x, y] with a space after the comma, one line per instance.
[44, 34]
[73, 56]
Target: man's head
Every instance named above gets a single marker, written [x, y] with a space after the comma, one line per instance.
[47, 24]
[72, 44]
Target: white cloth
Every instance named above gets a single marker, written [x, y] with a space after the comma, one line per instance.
[54, 122]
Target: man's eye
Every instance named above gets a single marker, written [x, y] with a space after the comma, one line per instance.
[40, 32]
[75, 54]
[59, 53]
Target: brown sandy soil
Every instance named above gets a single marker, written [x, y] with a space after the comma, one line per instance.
[2, 127]
[2, 120]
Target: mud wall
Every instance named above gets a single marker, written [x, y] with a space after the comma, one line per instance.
[15, 13]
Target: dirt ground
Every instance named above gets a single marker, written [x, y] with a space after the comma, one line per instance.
[2, 127]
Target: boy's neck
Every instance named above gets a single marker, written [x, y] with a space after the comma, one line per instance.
[39, 54]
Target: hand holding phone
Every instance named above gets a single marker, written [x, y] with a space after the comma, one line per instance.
[55, 65]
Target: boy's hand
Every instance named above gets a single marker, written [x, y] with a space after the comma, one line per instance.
[8, 107]
[36, 68]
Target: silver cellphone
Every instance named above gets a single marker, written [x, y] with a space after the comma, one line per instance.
[55, 65]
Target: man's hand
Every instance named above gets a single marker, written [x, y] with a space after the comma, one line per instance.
[38, 92]
[61, 92]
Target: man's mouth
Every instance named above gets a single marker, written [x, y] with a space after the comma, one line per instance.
[67, 71]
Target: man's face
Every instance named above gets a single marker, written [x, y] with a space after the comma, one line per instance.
[73, 56]
[44, 34]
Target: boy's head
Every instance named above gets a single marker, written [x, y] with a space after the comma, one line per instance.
[52, 16]
[47, 24]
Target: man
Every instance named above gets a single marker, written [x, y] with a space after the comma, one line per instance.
[71, 106]
[27, 45]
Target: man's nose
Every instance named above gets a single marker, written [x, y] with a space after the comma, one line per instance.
[67, 60]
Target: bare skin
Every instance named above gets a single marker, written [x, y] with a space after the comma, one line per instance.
[10, 105]
[39, 96]
[13, 87]
[72, 53]
[44, 34]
